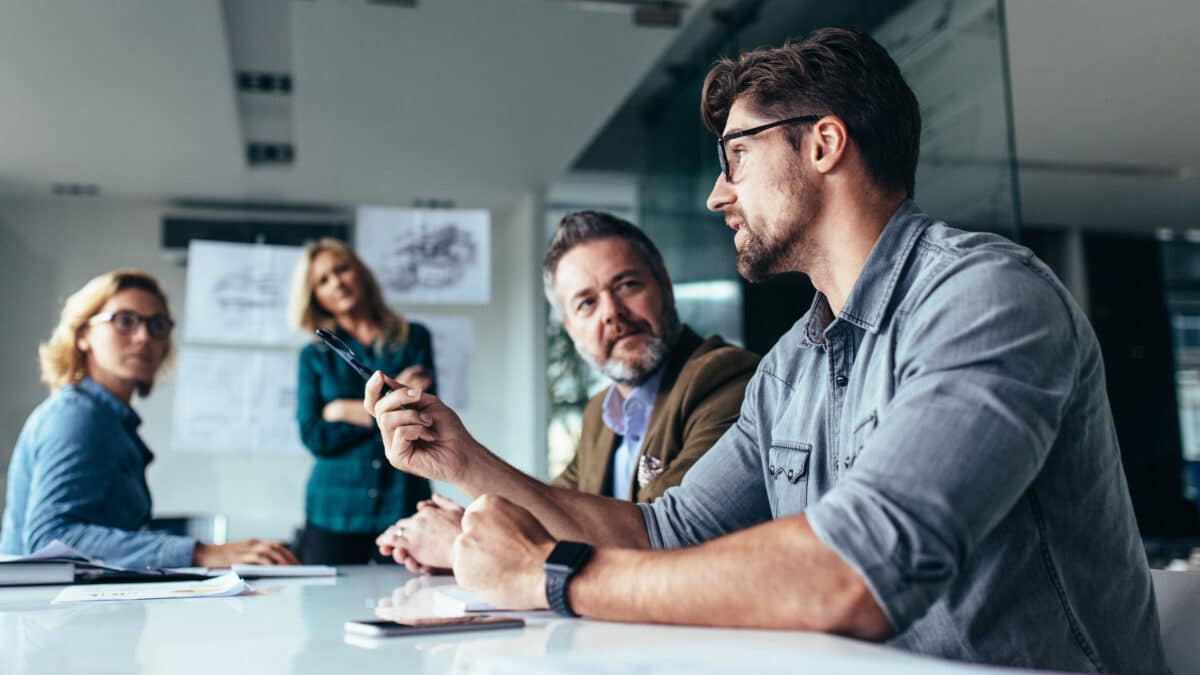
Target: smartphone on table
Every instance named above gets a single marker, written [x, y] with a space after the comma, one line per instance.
[427, 626]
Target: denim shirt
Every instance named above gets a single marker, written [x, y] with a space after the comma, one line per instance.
[78, 474]
[628, 418]
[948, 434]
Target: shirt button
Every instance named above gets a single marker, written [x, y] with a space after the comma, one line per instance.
[841, 380]
[372, 493]
[375, 464]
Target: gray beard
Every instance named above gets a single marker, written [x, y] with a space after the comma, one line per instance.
[644, 365]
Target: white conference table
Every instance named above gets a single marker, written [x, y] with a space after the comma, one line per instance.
[295, 626]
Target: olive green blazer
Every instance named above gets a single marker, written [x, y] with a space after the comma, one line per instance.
[698, 399]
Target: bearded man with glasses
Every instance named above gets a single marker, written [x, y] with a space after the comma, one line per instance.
[926, 458]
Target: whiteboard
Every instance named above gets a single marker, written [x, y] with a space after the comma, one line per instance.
[238, 294]
[452, 343]
[236, 400]
[427, 256]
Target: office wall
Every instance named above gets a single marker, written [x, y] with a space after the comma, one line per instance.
[52, 247]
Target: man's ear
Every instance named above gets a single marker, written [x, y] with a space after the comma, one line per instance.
[829, 141]
[81, 341]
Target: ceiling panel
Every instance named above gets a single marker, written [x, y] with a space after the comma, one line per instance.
[1100, 85]
[134, 96]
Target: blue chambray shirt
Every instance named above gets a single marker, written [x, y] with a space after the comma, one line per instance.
[78, 474]
[949, 436]
[628, 418]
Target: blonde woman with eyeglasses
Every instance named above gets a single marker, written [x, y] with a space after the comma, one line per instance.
[78, 473]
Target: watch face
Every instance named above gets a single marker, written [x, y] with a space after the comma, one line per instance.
[568, 554]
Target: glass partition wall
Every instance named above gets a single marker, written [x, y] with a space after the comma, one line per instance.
[657, 149]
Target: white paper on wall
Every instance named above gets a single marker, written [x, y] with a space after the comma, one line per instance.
[452, 343]
[427, 256]
[238, 294]
[236, 401]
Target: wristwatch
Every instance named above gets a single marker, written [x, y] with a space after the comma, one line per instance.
[567, 558]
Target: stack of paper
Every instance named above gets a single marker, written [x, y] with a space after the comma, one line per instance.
[271, 571]
[218, 587]
[454, 600]
[54, 564]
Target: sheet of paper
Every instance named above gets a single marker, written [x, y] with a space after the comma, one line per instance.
[453, 341]
[238, 294]
[427, 256]
[217, 587]
[281, 571]
[454, 600]
[235, 400]
[56, 549]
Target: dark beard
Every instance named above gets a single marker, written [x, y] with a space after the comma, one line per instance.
[760, 258]
[756, 260]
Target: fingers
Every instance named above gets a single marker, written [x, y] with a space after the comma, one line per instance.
[402, 440]
[371, 392]
[445, 503]
[403, 417]
[278, 554]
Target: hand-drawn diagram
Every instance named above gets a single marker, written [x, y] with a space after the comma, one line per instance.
[427, 256]
[235, 400]
[238, 294]
[248, 290]
[452, 343]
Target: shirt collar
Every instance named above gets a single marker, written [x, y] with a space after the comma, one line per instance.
[615, 405]
[104, 397]
[872, 291]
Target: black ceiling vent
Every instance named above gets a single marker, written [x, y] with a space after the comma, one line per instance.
[250, 224]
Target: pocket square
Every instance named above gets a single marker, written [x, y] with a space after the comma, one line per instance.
[649, 468]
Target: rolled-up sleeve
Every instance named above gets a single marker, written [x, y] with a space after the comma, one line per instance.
[722, 492]
[984, 363]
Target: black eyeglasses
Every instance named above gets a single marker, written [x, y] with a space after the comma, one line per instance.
[126, 321]
[726, 167]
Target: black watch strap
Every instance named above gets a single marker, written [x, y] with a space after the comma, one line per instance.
[567, 558]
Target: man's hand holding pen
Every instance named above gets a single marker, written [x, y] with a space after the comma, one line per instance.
[420, 434]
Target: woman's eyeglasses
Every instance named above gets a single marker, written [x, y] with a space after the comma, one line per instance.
[126, 322]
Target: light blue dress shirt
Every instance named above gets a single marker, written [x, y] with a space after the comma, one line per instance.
[628, 418]
[78, 474]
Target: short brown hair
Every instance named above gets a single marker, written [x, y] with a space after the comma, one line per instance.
[581, 227]
[832, 71]
[306, 314]
[61, 361]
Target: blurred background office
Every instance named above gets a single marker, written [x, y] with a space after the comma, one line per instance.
[129, 129]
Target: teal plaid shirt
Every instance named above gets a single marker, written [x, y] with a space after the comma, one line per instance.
[352, 488]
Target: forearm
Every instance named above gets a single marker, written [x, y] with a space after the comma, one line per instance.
[123, 548]
[566, 514]
[777, 575]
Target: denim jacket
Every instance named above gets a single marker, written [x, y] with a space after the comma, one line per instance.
[948, 434]
[78, 474]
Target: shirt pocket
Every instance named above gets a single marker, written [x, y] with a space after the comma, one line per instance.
[861, 431]
[787, 476]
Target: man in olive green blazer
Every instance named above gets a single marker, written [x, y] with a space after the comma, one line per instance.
[672, 395]
[698, 399]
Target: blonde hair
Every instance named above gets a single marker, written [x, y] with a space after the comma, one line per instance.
[61, 360]
[306, 314]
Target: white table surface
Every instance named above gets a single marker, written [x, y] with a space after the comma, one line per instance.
[295, 626]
